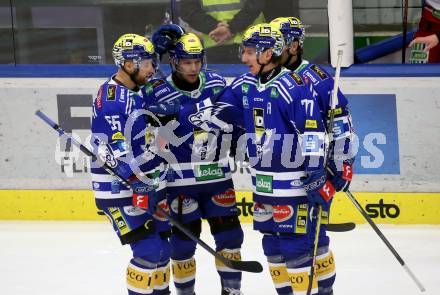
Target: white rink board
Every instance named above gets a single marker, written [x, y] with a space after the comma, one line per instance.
[28, 145]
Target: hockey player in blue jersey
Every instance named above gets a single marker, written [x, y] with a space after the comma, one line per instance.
[286, 146]
[118, 137]
[340, 158]
[199, 185]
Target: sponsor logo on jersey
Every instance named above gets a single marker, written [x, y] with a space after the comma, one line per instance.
[308, 75]
[262, 212]
[115, 186]
[245, 88]
[226, 199]
[259, 123]
[301, 218]
[98, 101]
[95, 185]
[319, 72]
[338, 128]
[282, 213]
[274, 93]
[296, 183]
[118, 136]
[162, 91]
[159, 215]
[311, 143]
[311, 124]
[297, 78]
[264, 183]
[133, 211]
[122, 95]
[208, 172]
[287, 82]
[336, 111]
[189, 205]
[157, 83]
[111, 93]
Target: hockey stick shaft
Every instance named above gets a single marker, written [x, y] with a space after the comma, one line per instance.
[385, 240]
[330, 135]
[404, 28]
[249, 266]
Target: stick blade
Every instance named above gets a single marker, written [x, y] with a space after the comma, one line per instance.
[248, 266]
[341, 227]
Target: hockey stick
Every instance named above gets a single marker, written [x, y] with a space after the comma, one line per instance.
[384, 239]
[341, 227]
[249, 266]
[330, 135]
[404, 28]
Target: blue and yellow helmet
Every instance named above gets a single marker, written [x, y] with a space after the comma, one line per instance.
[188, 46]
[133, 47]
[264, 36]
[291, 28]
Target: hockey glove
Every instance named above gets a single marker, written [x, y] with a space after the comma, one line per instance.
[168, 109]
[319, 190]
[165, 37]
[144, 196]
[341, 177]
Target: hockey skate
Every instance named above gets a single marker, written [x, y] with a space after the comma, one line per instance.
[230, 291]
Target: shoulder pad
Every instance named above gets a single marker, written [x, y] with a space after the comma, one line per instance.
[318, 71]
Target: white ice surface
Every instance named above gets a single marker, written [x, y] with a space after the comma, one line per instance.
[85, 258]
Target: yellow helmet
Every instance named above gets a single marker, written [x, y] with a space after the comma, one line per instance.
[188, 46]
[291, 28]
[133, 47]
[264, 36]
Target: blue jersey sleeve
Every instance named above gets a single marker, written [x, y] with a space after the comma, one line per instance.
[116, 125]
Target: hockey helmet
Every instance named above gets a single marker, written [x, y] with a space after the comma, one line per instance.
[188, 46]
[291, 28]
[133, 47]
[264, 36]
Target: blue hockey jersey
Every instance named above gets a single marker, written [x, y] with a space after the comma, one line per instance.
[322, 88]
[286, 136]
[202, 155]
[119, 131]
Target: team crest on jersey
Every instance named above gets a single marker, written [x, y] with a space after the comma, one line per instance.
[297, 78]
[274, 93]
[216, 90]
[111, 93]
[319, 72]
[245, 88]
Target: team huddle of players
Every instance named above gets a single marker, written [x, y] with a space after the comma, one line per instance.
[172, 138]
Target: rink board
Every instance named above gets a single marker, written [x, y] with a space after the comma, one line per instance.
[393, 208]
